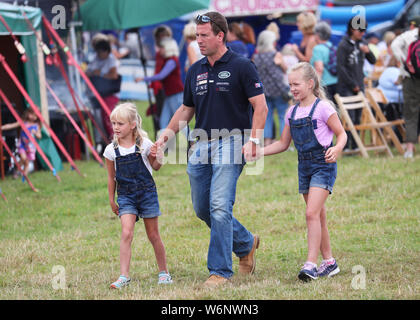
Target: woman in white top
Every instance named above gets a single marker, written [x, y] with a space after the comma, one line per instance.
[193, 51]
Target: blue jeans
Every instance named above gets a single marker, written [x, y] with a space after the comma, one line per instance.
[213, 190]
[170, 106]
[274, 103]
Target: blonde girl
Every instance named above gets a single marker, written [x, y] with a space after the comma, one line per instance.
[312, 123]
[130, 159]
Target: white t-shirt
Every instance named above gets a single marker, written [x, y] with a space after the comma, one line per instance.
[109, 152]
[104, 65]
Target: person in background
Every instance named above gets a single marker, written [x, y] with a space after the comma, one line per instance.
[272, 26]
[370, 69]
[272, 70]
[170, 77]
[159, 33]
[306, 22]
[289, 57]
[385, 52]
[411, 85]
[235, 39]
[27, 150]
[249, 38]
[351, 54]
[320, 58]
[193, 51]
[390, 84]
[117, 49]
[130, 46]
[104, 65]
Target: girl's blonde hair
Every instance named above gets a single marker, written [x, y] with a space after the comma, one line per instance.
[127, 112]
[189, 31]
[309, 73]
[308, 21]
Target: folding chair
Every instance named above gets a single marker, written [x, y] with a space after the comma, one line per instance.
[375, 96]
[367, 123]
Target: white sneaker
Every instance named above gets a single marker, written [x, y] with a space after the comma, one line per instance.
[408, 154]
[121, 282]
[164, 278]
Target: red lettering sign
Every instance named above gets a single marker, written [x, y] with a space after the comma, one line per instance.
[230, 8]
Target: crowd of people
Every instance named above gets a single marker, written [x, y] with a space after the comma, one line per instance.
[343, 69]
[230, 71]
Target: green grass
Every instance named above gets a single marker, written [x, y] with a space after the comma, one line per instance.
[373, 218]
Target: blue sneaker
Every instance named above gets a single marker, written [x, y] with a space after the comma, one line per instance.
[164, 278]
[308, 272]
[121, 282]
[328, 269]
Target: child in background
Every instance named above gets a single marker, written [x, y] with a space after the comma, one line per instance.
[130, 158]
[312, 123]
[27, 150]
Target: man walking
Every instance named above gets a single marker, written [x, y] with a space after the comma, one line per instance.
[220, 90]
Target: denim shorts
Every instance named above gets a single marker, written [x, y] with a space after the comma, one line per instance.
[316, 173]
[143, 203]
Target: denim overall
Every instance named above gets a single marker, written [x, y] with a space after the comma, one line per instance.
[136, 188]
[313, 170]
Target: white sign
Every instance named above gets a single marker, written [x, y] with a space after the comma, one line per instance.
[234, 8]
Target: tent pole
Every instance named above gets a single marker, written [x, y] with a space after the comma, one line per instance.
[1, 150]
[77, 76]
[143, 62]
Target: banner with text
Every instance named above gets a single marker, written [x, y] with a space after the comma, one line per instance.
[234, 8]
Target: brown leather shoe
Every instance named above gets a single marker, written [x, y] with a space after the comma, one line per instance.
[214, 281]
[248, 262]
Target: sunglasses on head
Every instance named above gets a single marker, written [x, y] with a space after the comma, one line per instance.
[206, 19]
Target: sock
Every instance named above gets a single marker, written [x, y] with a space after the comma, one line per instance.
[310, 264]
[329, 261]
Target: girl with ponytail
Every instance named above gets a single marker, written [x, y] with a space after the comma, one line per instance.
[312, 123]
[129, 161]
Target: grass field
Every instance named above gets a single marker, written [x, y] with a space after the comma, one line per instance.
[63, 242]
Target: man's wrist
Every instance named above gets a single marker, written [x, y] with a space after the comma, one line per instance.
[256, 141]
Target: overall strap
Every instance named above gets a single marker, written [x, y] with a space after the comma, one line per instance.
[313, 107]
[294, 111]
[116, 149]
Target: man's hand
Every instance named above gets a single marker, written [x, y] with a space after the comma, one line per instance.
[251, 151]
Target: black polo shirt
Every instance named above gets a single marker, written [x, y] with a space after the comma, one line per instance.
[220, 93]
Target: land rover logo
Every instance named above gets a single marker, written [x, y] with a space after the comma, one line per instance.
[224, 74]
